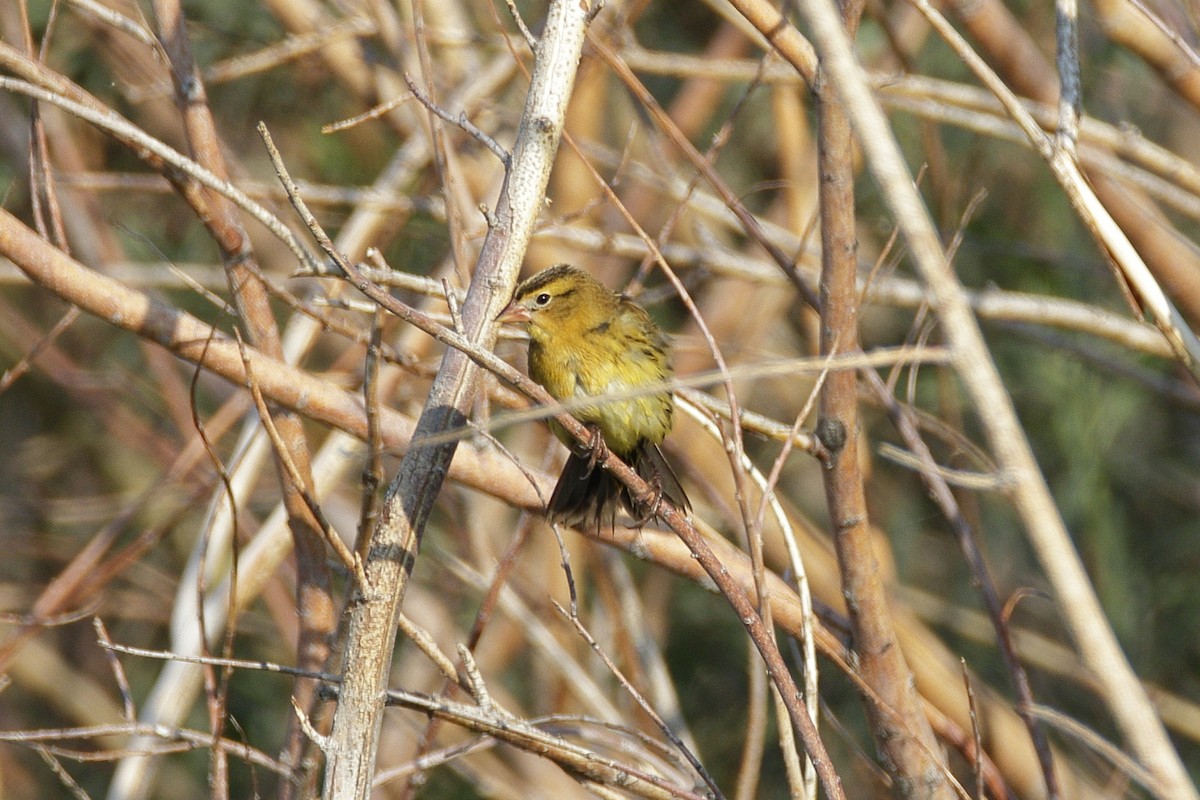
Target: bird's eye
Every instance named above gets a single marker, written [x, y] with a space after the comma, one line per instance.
[542, 300]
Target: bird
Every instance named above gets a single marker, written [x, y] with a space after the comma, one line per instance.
[586, 342]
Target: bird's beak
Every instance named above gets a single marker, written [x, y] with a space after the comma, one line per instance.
[513, 313]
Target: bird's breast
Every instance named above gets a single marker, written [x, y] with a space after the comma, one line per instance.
[612, 370]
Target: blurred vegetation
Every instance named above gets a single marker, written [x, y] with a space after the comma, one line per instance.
[92, 418]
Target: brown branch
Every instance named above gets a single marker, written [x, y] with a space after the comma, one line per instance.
[903, 736]
[1030, 495]
[394, 543]
[642, 493]
[940, 492]
[678, 522]
[485, 718]
[751, 225]
[315, 607]
[186, 336]
[1133, 25]
[1169, 255]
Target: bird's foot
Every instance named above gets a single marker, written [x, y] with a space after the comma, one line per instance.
[597, 448]
[649, 510]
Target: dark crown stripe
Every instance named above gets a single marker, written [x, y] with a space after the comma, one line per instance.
[540, 280]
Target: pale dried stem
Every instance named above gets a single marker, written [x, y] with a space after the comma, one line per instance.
[172, 694]
[903, 736]
[1031, 496]
[358, 719]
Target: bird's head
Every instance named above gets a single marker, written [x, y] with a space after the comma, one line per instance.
[559, 301]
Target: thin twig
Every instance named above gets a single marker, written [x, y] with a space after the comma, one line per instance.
[573, 617]
[1031, 496]
[461, 121]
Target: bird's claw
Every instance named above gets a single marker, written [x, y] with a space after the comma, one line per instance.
[597, 447]
[650, 510]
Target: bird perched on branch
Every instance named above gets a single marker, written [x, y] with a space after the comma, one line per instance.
[587, 342]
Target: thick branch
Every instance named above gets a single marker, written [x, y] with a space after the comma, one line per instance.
[317, 618]
[392, 552]
[1030, 495]
[906, 743]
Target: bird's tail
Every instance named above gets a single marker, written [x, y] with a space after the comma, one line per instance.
[588, 495]
[585, 496]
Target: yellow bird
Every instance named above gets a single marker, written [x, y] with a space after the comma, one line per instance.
[585, 342]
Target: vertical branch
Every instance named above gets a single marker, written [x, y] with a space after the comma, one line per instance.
[1070, 102]
[1030, 495]
[354, 741]
[940, 492]
[314, 600]
[902, 733]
